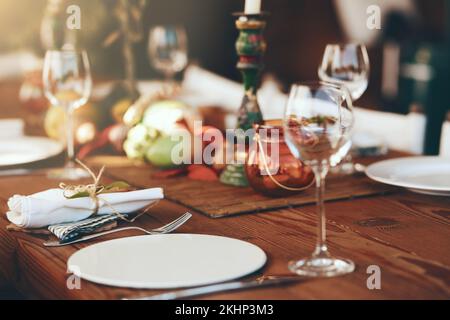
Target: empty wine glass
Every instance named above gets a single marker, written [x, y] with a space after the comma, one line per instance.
[67, 84]
[318, 123]
[167, 48]
[347, 65]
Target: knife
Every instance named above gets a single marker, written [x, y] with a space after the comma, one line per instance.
[262, 282]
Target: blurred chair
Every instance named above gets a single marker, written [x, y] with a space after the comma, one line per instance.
[445, 140]
[15, 65]
[204, 88]
[399, 132]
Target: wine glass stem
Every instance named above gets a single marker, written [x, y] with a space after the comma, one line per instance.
[70, 137]
[321, 246]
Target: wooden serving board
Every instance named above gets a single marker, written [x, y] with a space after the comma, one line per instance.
[217, 200]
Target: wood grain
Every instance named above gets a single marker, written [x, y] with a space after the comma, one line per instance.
[406, 234]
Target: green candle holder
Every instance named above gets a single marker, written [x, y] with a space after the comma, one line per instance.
[250, 47]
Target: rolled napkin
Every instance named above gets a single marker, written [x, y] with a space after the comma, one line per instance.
[50, 207]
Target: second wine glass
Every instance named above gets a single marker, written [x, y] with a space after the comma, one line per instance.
[346, 65]
[67, 84]
[167, 48]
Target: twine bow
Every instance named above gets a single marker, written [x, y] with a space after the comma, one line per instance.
[92, 191]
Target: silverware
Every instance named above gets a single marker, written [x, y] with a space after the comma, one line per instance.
[262, 282]
[168, 228]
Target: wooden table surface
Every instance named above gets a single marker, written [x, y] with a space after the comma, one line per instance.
[407, 235]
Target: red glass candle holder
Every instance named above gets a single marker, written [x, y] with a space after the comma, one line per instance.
[271, 168]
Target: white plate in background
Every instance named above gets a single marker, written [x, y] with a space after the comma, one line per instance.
[23, 150]
[427, 175]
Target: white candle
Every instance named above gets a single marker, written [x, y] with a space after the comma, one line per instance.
[252, 6]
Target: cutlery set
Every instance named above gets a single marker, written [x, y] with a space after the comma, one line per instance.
[168, 228]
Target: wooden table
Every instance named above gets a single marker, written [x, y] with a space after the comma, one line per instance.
[407, 235]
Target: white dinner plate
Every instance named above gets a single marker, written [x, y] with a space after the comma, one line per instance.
[427, 175]
[166, 261]
[23, 150]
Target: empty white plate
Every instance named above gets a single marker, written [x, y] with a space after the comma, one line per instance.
[166, 261]
[17, 151]
[427, 175]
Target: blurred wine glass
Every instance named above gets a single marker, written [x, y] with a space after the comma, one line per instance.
[318, 123]
[167, 48]
[347, 65]
[68, 85]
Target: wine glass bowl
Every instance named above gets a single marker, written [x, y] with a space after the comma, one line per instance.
[318, 124]
[68, 85]
[346, 65]
[167, 48]
[318, 131]
[67, 79]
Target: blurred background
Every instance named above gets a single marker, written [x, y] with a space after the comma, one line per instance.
[409, 56]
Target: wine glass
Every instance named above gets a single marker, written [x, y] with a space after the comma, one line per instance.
[167, 48]
[67, 84]
[318, 123]
[347, 65]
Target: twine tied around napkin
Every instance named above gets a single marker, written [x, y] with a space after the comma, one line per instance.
[94, 189]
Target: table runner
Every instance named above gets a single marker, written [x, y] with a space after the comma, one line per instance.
[217, 200]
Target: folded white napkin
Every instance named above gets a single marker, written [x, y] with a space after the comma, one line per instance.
[51, 207]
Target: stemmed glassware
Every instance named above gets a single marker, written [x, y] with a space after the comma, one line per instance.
[167, 48]
[68, 85]
[346, 65]
[318, 123]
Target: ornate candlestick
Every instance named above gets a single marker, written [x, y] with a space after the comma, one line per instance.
[250, 47]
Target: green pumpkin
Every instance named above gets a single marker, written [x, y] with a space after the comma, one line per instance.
[160, 152]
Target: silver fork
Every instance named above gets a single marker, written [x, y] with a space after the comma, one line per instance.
[168, 228]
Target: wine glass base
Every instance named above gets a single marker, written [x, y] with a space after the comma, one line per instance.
[322, 267]
[68, 174]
